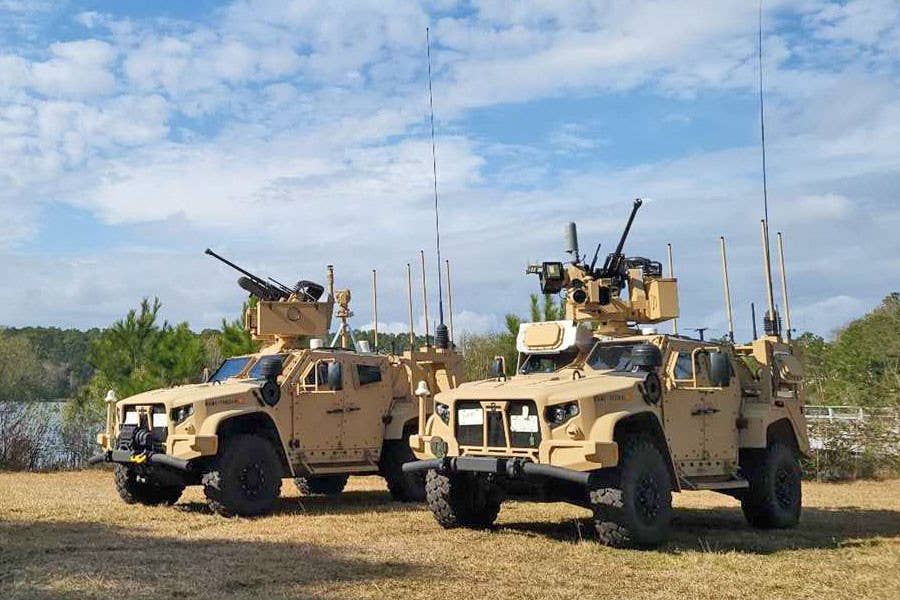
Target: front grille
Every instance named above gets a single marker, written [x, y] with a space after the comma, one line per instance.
[496, 435]
[146, 415]
[471, 428]
[126, 434]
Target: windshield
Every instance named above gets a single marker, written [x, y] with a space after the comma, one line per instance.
[231, 367]
[256, 371]
[547, 363]
[615, 357]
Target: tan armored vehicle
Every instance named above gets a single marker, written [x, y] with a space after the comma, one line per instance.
[317, 414]
[615, 418]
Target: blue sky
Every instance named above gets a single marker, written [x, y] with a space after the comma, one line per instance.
[291, 135]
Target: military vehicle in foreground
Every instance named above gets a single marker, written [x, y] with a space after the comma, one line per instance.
[607, 413]
[295, 409]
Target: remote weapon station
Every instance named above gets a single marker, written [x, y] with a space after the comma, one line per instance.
[609, 414]
[296, 408]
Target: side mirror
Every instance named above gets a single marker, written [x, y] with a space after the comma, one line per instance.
[335, 376]
[498, 367]
[719, 369]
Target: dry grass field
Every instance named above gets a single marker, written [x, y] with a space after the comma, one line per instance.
[67, 535]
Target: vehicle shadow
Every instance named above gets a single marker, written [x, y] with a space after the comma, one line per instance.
[352, 502]
[64, 560]
[725, 530]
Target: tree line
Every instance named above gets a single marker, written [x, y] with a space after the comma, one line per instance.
[859, 366]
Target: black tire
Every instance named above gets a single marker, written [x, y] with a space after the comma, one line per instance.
[324, 485]
[245, 479]
[137, 488]
[404, 487]
[775, 496]
[463, 499]
[632, 503]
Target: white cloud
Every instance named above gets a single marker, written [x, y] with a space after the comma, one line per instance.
[828, 315]
[80, 68]
[570, 137]
[808, 209]
[293, 132]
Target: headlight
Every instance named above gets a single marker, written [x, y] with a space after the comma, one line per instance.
[443, 411]
[181, 413]
[560, 413]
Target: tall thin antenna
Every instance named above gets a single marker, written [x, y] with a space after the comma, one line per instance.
[375, 305]
[727, 290]
[753, 319]
[450, 300]
[784, 288]
[425, 298]
[771, 319]
[762, 121]
[441, 336]
[412, 333]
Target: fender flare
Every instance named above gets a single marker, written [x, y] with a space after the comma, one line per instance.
[213, 424]
[604, 429]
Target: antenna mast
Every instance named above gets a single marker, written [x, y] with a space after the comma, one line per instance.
[441, 335]
[771, 320]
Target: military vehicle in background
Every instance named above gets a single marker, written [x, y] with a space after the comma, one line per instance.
[609, 414]
[294, 409]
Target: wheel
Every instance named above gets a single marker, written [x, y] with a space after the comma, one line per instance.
[774, 498]
[404, 487]
[245, 479]
[632, 503]
[326, 485]
[463, 499]
[137, 488]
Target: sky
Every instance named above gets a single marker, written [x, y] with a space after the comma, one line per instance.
[289, 135]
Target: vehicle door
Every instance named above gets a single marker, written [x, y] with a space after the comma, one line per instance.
[682, 409]
[722, 405]
[318, 415]
[366, 406]
[704, 416]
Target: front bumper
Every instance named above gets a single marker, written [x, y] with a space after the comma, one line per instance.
[514, 468]
[180, 445]
[126, 457]
[569, 455]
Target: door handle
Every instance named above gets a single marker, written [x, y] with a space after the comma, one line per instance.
[334, 411]
[351, 409]
[704, 411]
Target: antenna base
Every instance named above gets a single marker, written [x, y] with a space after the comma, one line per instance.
[441, 336]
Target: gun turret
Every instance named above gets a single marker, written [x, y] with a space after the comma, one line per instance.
[271, 290]
[283, 314]
[616, 265]
[596, 294]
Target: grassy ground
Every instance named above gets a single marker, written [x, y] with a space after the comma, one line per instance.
[67, 535]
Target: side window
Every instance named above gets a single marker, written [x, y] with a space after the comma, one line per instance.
[368, 374]
[684, 366]
[317, 377]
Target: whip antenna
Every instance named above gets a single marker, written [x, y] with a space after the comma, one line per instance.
[771, 320]
[441, 335]
[762, 123]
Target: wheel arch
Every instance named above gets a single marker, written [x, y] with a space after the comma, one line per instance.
[782, 430]
[646, 423]
[253, 423]
[402, 416]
